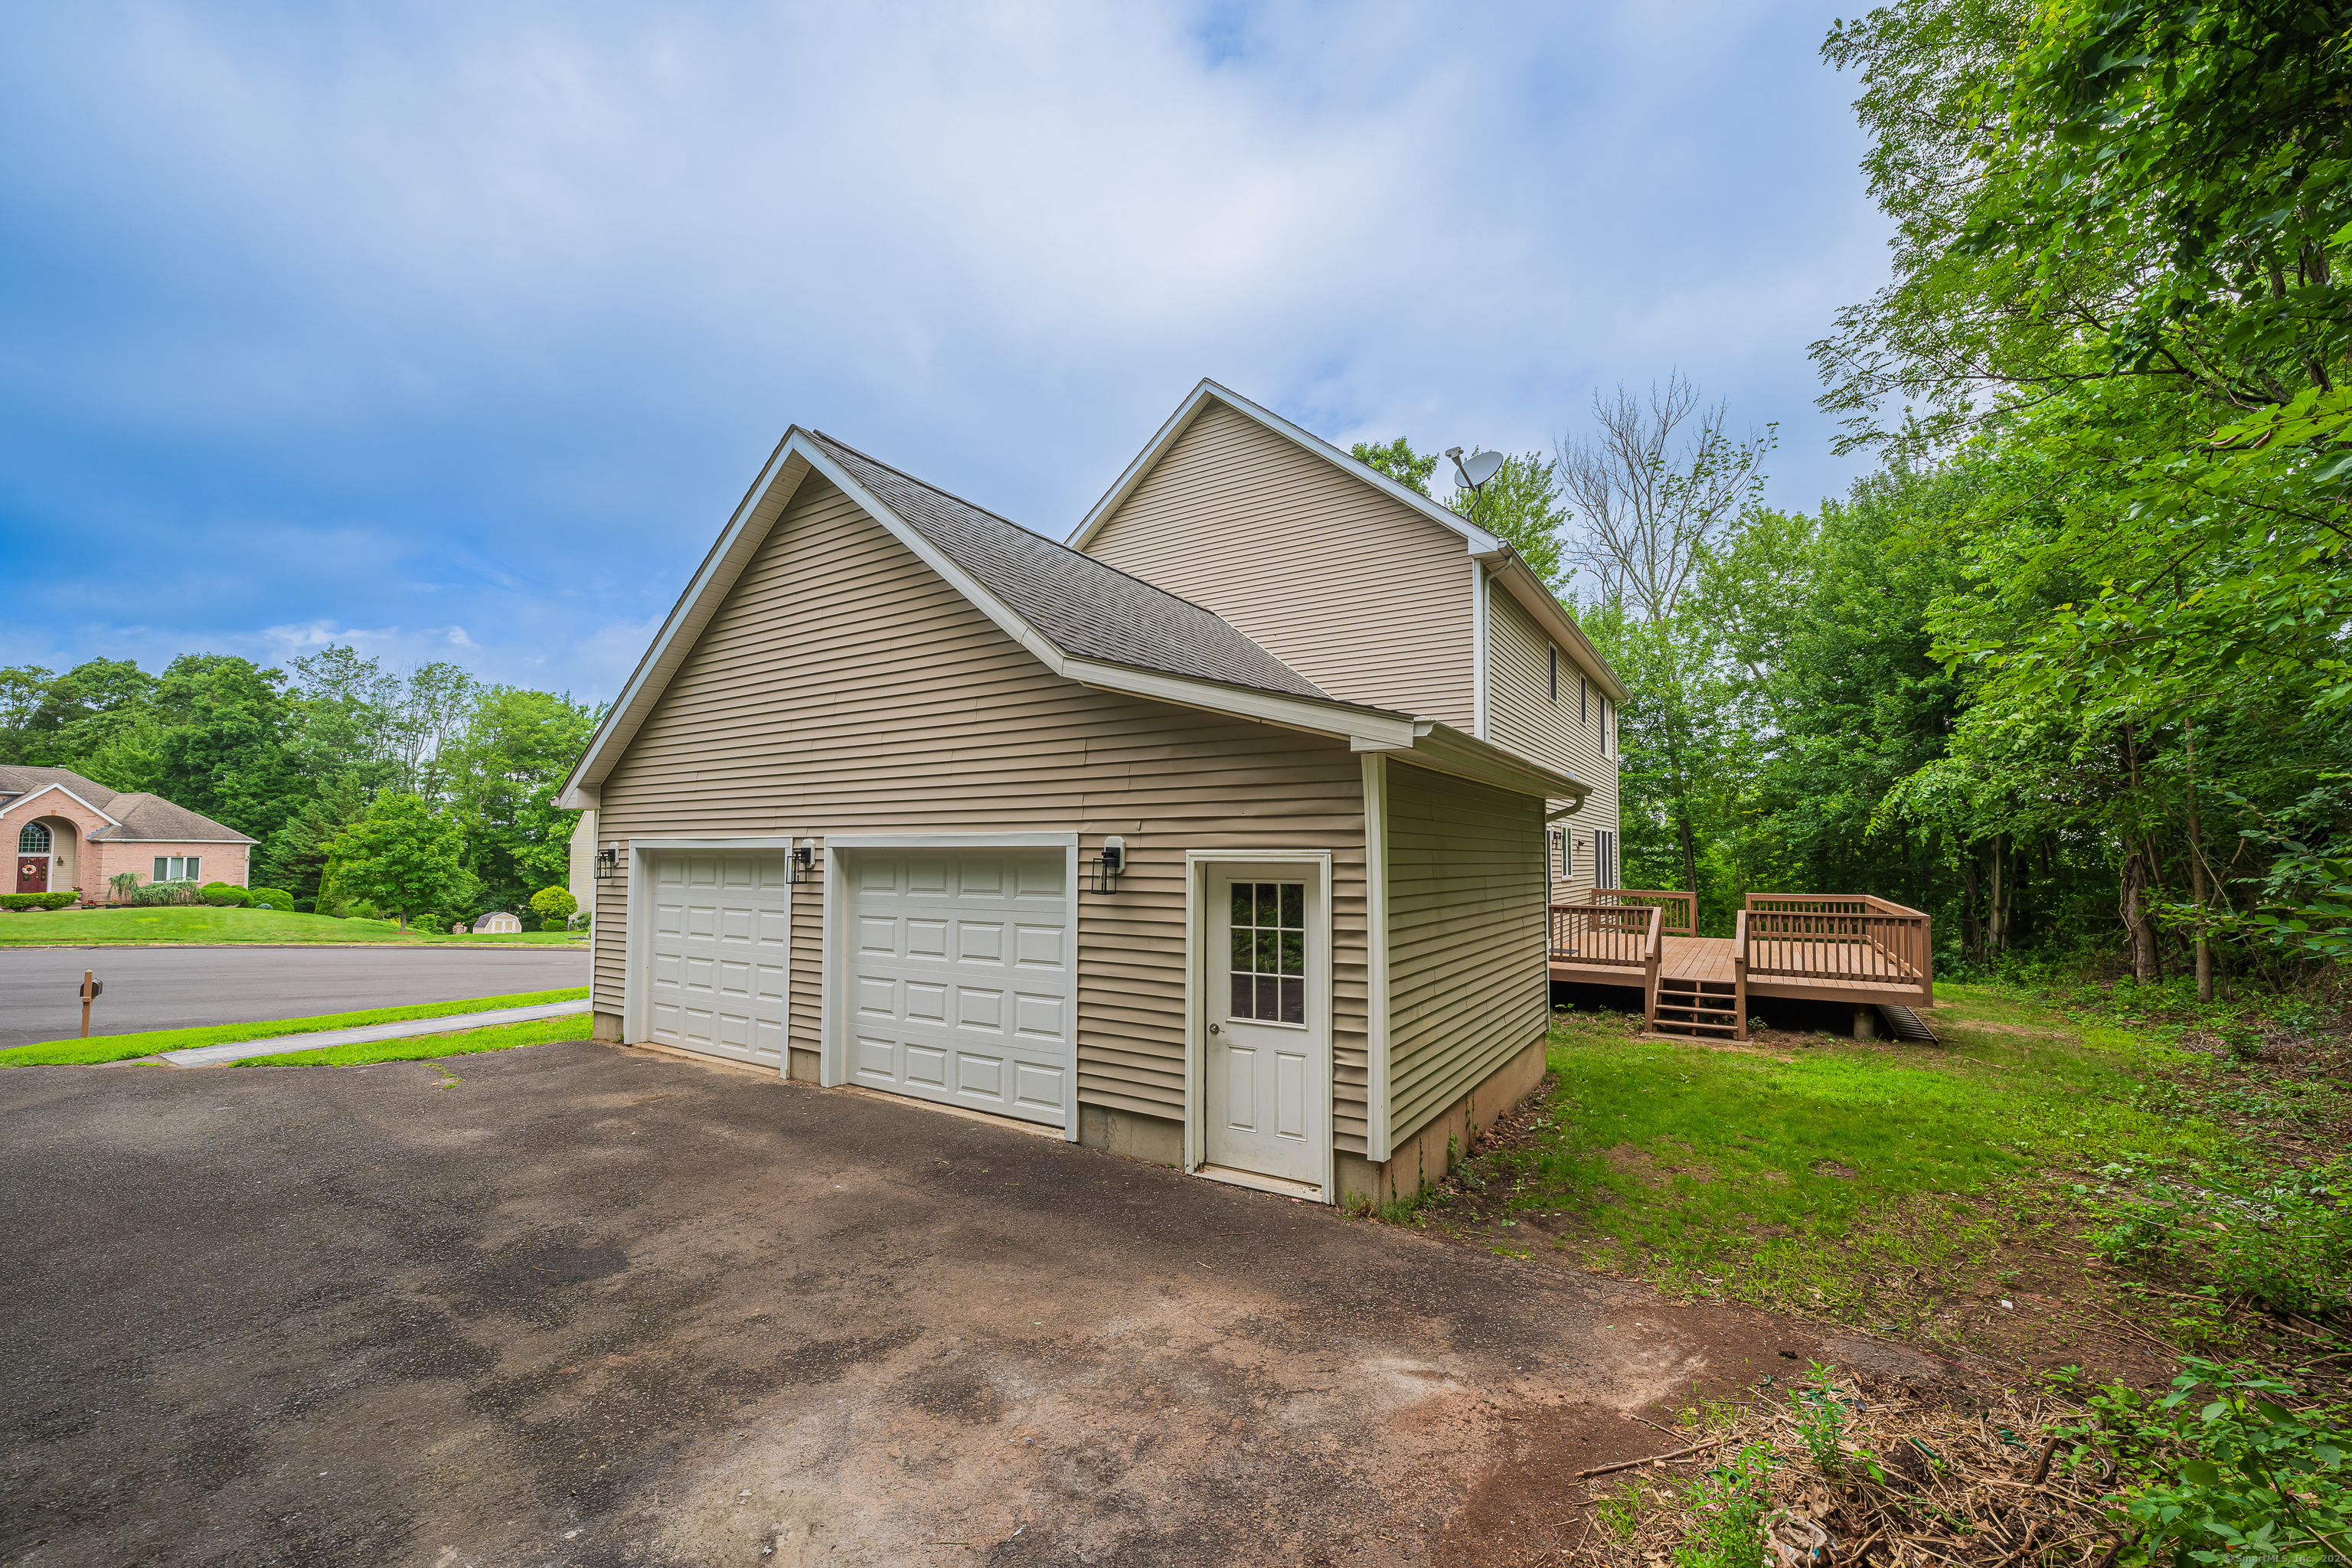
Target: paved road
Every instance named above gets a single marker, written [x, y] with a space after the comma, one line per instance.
[177, 987]
[583, 1305]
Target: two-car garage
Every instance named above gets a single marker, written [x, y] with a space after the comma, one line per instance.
[949, 970]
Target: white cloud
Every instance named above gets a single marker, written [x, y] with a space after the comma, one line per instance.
[481, 317]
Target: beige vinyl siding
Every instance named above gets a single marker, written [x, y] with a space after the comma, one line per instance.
[1468, 986]
[844, 687]
[1522, 716]
[1349, 587]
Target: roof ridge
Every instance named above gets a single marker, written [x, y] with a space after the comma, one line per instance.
[1062, 545]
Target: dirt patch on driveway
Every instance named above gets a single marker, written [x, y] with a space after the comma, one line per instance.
[586, 1305]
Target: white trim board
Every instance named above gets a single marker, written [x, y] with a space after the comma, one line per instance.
[1376, 959]
[1196, 1132]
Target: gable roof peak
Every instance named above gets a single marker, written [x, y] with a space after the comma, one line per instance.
[1209, 393]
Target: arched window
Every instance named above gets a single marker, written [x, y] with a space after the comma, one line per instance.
[33, 839]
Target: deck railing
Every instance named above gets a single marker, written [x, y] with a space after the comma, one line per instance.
[1620, 936]
[1681, 908]
[1851, 937]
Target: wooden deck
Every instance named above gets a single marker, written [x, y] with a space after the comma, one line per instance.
[1855, 949]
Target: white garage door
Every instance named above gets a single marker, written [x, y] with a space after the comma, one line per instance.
[721, 933]
[960, 979]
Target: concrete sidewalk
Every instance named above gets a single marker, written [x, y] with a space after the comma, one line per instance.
[319, 1040]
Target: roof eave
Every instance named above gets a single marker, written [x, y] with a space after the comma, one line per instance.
[728, 558]
[61, 789]
[1519, 580]
[1441, 748]
[699, 600]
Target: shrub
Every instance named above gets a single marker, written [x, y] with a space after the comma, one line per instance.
[307, 907]
[164, 893]
[276, 898]
[555, 905]
[225, 894]
[2278, 1238]
[26, 901]
[2238, 1475]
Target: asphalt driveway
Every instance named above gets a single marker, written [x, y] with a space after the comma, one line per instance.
[180, 987]
[580, 1304]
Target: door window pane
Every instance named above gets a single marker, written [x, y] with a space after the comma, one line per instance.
[1269, 951]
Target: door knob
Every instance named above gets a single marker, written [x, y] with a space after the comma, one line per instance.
[1212, 1029]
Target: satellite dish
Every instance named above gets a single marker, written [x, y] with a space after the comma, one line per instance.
[1478, 467]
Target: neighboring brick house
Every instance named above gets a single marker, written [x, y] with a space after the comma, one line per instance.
[71, 833]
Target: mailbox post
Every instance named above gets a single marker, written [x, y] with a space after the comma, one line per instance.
[91, 987]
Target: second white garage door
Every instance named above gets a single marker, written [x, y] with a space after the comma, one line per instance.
[960, 979]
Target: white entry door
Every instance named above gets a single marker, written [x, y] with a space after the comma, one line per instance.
[1268, 1105]
[961, 978]
[722, 935]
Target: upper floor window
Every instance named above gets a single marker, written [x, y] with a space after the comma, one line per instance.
[33, 839]
[1583, 701]
[1555, 675]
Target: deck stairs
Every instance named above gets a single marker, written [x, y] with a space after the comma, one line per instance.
[1908, 1024]
[1697, 1009]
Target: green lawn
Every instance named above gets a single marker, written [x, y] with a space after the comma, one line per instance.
[504, 1036]
[206, 923]
[1809, 1170]
[121, 1047]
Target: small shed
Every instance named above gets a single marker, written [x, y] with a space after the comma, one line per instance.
[498, 922]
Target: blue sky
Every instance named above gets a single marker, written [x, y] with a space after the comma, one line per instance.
[457, 330]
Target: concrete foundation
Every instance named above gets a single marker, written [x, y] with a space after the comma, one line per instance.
[1153, 1138]
[607, 1028]
[1439, 1145]
[801, 1067]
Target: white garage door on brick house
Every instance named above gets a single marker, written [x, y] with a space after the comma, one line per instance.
[958, 980]
[721, 934]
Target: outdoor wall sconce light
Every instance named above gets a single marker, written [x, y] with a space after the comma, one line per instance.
[803, 860]
[608, 863]
[1107, 865]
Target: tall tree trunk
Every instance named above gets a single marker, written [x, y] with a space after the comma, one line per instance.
[1690, 855]
[1971, 919]
[2197, 870]
[1997, 895]
[2138, 930]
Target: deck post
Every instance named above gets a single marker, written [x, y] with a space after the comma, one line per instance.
[1740, 977]
[1865, 1023]
[1653, 953]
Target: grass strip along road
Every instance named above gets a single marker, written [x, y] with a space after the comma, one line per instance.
[204, 923]
[540, 1032]
[121, 1047]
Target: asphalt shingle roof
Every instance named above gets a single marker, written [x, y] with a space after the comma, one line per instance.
[1085, 608]
[137, 816]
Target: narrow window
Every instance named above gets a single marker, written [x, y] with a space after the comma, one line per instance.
[1583, 701]
[194, 875]
[1555, 675]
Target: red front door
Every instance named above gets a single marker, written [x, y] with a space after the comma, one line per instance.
[32, 873]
